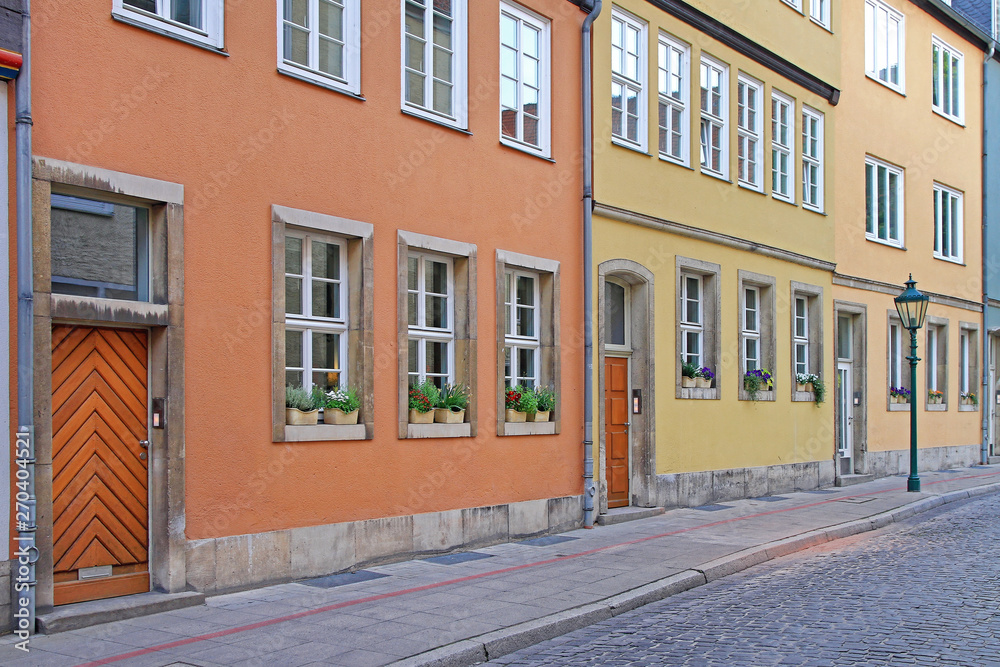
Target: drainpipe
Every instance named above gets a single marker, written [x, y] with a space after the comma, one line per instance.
[27, 552]
[986, 403]
[589, 490]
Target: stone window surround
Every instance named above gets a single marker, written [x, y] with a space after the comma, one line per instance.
[942, 325]
[463, 257]
[360, 316]
[814, 295]
[711, 275]
[765, 314]
[549, 364]
[162, 317]
[975, 383]
[904, 365]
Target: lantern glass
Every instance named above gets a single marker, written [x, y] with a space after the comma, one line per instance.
[912, 306]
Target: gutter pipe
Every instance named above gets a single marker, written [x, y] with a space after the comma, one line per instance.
[986, 408]
[27, 552]
[589, 489]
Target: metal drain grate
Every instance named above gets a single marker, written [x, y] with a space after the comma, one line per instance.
[823, 491]
[335, 580]
[713, 508]
[548, 540]
[455, 559]
[770, 499]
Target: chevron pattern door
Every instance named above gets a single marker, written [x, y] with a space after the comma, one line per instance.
[99, 469]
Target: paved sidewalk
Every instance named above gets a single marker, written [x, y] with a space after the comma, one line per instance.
[464, 608]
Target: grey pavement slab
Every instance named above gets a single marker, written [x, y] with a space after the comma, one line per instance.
[423, 613]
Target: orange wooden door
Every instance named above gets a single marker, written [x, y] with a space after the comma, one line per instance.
[616, 423]
[99, 473]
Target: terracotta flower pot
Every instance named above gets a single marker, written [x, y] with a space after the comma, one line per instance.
[448, 416]
[335, 416]
[417, 417]
[540, 416]
[515, 416]
[296, 417]
[689, 383]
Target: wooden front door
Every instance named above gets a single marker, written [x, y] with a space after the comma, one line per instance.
[99, 470]
[616, 423]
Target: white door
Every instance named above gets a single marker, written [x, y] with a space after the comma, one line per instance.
[845, 418]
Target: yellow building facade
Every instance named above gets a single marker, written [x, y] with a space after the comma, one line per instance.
[714, 247]
[909, 195]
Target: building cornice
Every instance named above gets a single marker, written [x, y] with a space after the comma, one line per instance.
[870, 285]
[671, 227]
[751, 49]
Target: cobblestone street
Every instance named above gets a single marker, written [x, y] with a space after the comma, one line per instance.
[923, 592]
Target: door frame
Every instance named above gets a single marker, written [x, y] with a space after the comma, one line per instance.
[848, 433]
[858, 314]
[162, 316]
[642, 427]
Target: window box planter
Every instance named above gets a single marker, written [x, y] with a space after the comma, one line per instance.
[515, 416]
[799, 386]
[539, 416]
[703, 383]
[335, 416]
[448, 416]
[296, 417]
[417, 417]
[688, 382]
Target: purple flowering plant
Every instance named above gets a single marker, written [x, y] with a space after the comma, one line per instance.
[706, 372]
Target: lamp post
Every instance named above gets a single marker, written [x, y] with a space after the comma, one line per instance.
[912, 308]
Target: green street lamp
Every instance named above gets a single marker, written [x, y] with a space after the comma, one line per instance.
[912, 308]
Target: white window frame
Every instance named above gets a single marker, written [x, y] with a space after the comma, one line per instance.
[964, 365]
[306, 323]
[424, 334]
[751, 333]
[937, 81]
[749, 134]
[949, 246]
[812, 160]
[690, 326]
[460, 52]
[874, 42]
[627, 347]
[819, 12]
[350, 82]
[707, 117]
[668, 103]
[623, 79]
[800, 341]
[932, 357]
[524, 17]
[896, 353]
[210, 36]
[512, 341]
[785, 116]
[871, 204]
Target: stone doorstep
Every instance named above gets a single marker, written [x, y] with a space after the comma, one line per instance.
[85, 614]
[993, 460]
[623, 514]
[851, 480]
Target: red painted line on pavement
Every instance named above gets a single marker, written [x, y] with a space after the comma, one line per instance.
[384, 596]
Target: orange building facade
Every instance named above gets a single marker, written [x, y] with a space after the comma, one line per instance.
[233, 200]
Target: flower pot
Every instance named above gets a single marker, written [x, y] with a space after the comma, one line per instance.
[540, 416]
[417, 417]
[894, 399]
[808, 386]
[296, 417]
[448, 416]
[515, 416]
[689, 383]
[703, 383]
[336, 416]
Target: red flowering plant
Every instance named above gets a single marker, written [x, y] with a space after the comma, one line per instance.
[521, 398]
[423, 396]
[512, 399]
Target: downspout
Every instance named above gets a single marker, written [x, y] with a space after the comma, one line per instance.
[589, 490]
[986, 403]
[27, 552]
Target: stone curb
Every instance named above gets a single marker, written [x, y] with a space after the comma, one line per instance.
[507, 640]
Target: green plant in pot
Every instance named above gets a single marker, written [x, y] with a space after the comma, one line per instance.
[545, 403]
[819, 389]
[689, 374]
[342, 404]
[423, 397]
[301, 406]
[756, 381]
[519, 401]
[452, 402]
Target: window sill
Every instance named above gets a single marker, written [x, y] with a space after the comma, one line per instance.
[803, 397]
[899, 90]
[822, 25]
[622, 143]
[784, 200]
[813, 209]
[319, 80]
[529, 428]
[956, 120]
[439, 430]
[325, 432]
[443, 122]
[676, 162]
[936, 407]
[762, 396]
[950, 260]
[711, 394]
[722, 177]
[899, 407]
[751, 188]
[525, 148]
[162, 27]
[889, 244]
[968, 408]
